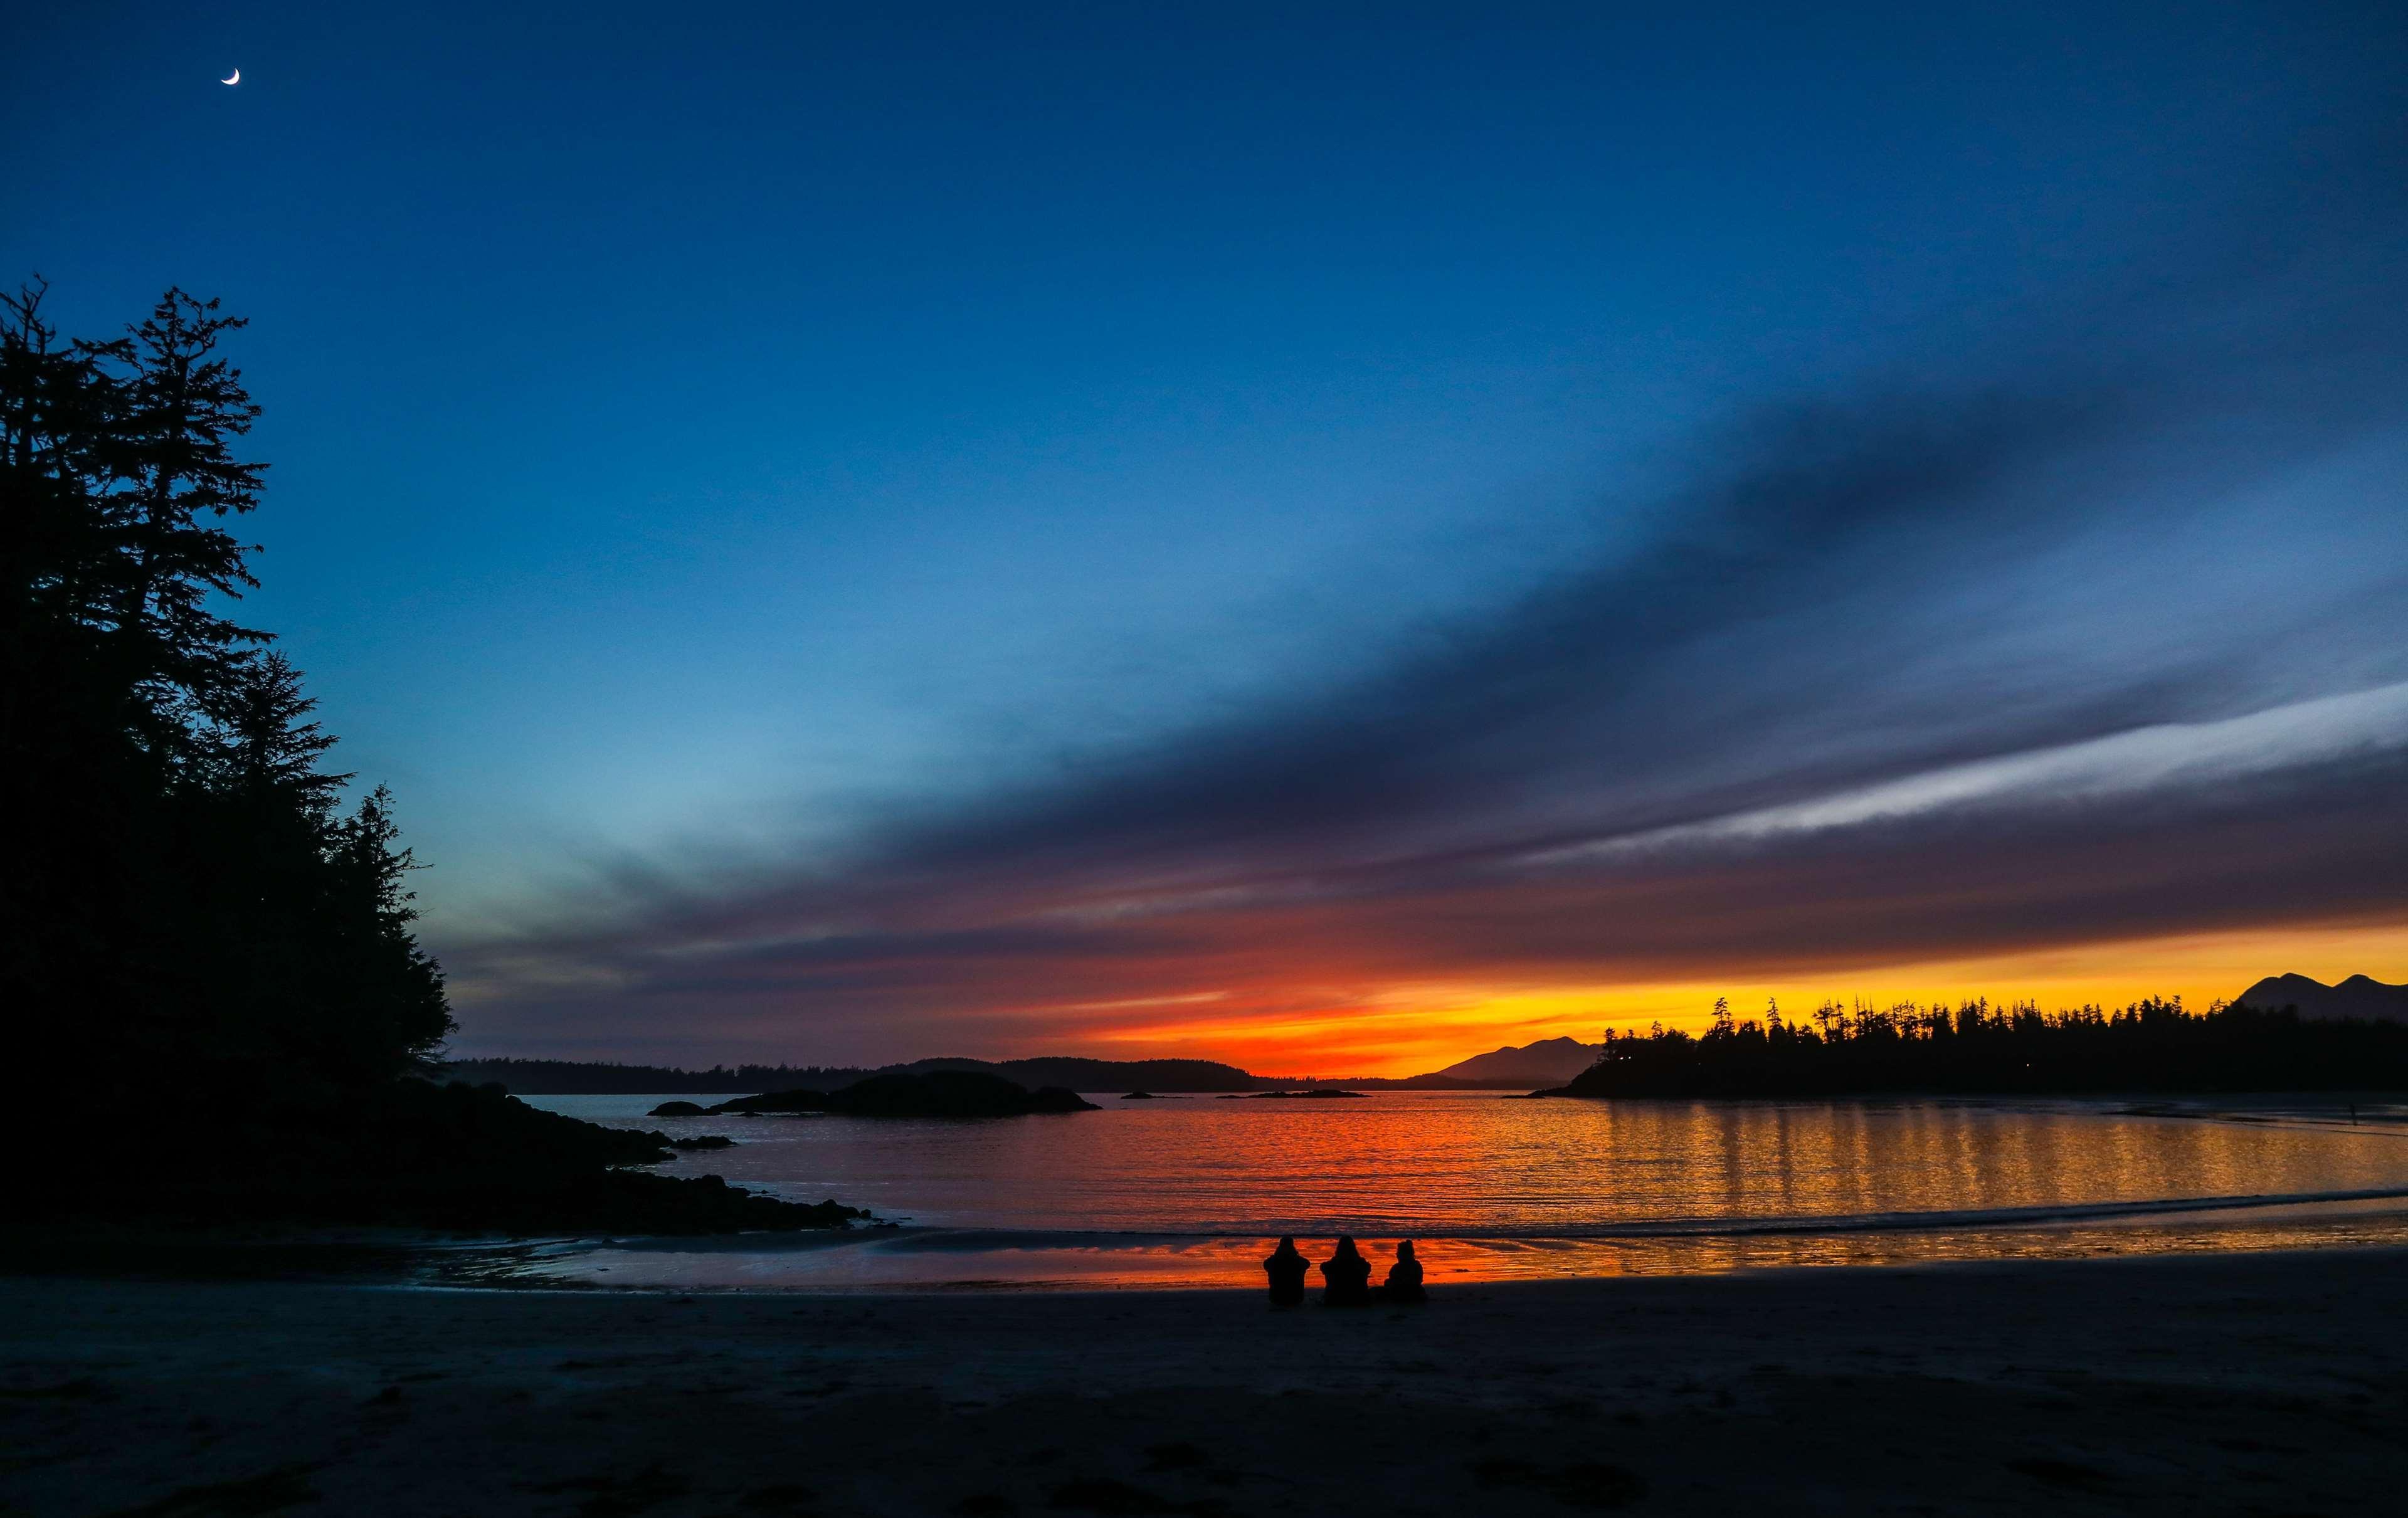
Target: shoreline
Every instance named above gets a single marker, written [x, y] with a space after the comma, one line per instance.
[905, 1258]
[2266, 1380]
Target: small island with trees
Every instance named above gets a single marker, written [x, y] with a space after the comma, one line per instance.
[955, 1093]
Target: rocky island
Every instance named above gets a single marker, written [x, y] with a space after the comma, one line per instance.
[956, 1093]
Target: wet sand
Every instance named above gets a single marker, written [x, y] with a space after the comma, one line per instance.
[2269, 1383]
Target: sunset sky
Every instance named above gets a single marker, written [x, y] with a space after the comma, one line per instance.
[1333, 540]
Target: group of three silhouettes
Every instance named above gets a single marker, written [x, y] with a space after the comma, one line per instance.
[1346, 1276]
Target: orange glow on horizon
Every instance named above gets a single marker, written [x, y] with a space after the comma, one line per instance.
[1410, 1029]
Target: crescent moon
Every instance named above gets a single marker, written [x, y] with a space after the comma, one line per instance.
[236, 80]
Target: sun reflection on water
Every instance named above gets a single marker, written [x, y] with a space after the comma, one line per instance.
[1184, 1191]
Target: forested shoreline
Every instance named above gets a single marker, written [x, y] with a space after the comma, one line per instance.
[222, 1007]
[1977, 1047]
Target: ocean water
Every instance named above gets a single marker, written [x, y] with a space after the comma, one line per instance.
[1187, 1190]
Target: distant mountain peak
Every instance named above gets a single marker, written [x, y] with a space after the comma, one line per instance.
[2359, 996]
[1547, 1062]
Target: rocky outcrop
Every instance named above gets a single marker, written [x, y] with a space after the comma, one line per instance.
[769, 1101]
[963, 1094]
[413, 1154]
[1316, 1094]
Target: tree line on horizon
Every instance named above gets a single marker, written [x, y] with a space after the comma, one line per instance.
[1977, 1047]
[534, 1076]
[559, 1077]
[187, 900]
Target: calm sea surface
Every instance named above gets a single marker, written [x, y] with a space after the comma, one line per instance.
[1186, 1189]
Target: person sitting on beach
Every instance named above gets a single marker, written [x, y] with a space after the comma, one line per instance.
[1346, 1277]
[1404, 1282]
[1285, 1268]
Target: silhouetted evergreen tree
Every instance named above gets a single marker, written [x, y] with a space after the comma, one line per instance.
[182, 905]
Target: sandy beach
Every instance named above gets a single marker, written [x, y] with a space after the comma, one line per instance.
[2244, 1383]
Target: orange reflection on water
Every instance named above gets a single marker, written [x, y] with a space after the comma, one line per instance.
[869, 1263]
[1188, 1190]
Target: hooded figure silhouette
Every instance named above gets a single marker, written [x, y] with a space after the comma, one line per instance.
[1404, 1282]
[1287, 1268]
[1346, 1277]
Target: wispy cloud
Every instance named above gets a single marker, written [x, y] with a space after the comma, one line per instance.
[2171, 758]
[2106, 639]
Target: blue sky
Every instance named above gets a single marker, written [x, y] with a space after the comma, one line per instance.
[723, 447]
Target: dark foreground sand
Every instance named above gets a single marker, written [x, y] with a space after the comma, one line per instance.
[2242, 1383]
